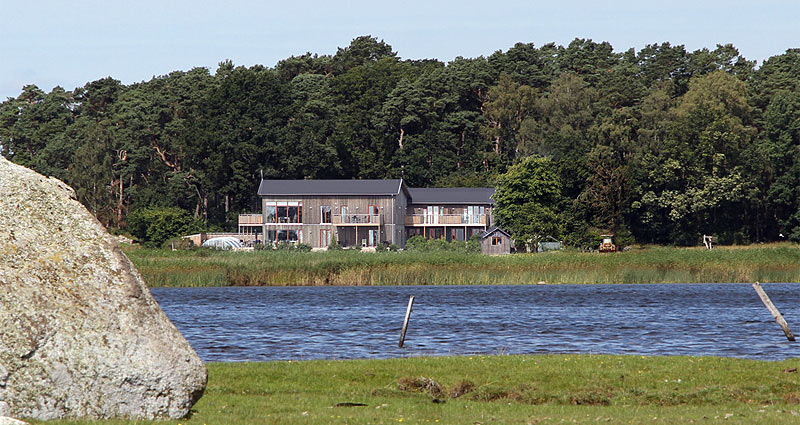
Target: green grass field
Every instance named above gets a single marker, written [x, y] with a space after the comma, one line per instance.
[584, 389]
[764, 263]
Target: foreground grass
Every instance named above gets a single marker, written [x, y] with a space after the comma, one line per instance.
[764, 263]
[499, 390]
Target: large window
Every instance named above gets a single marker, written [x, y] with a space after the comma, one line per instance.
[283, 212]
[284, 236]
[325, 237]
[374, 210]
[325, 214]
[473, 214]
[456, 234]
[435, 233]
[290, 236]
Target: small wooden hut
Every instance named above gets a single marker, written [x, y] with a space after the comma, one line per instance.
[495, 241]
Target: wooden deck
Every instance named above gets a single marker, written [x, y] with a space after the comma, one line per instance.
[356, 220]
[444, 220]
[251, 219]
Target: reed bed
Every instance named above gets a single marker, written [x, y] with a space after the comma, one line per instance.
[764, 263]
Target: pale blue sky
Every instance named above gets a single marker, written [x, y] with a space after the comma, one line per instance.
[70, 43]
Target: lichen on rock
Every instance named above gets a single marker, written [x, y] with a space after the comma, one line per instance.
[80, 334]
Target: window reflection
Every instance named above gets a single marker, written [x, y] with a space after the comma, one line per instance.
[283, 212]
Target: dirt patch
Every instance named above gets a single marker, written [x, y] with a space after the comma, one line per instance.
[591, 397]
[461, 388]
[420, 384]
[792, 398]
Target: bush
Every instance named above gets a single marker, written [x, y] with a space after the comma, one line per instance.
[474, 244]
[178, 243]
[334, 245]
[439, 245]
[155, 225]
[417, 243]
[386, 247]
[288, 246]
[623, 238]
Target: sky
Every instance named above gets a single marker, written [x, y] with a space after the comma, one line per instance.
[70, 43]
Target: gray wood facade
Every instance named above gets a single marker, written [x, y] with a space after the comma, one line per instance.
[354, 219]
[365, 212]
[496, 241]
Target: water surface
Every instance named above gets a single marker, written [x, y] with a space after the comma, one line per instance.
[292, 323]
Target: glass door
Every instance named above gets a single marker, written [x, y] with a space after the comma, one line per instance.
[433, 214]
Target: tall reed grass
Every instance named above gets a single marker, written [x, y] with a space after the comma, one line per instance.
[764, 263]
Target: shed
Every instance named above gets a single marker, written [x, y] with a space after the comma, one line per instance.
[495, 241]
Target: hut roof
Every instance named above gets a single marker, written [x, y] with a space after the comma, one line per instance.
[492, 230]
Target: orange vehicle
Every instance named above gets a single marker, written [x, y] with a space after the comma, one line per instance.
[607, 245]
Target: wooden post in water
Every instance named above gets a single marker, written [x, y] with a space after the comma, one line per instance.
[775, 313]
[405, 322]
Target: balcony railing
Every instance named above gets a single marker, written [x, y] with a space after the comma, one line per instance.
[444, 219]
[251, 219]
[357, 219]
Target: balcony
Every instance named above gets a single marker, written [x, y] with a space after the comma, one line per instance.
[356, 220]
[445, 220]
[251, 219]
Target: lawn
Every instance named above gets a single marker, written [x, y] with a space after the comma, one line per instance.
[536, 389]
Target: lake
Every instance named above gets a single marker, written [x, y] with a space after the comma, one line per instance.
[302, 323]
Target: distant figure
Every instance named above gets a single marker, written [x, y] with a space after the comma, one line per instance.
[707, 241]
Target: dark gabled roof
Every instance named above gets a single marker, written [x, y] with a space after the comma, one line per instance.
[330, 187]
[491, 230]
[452, 195]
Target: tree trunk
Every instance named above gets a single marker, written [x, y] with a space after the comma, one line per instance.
[121, 196]
[400, 141]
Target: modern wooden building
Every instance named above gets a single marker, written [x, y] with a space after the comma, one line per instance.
[365, 212]
[449, 213]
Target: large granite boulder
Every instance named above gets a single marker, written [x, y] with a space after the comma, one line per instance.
[80, 334]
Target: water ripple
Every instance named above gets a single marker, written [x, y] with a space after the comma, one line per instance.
[288, 323]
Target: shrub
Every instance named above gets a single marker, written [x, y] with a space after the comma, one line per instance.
[178, 243]
[288, 246]
[474, 244]
[386, 247]
[417, 243]
[155, 225]
[623, 238]
[439, 245]
[334, 245]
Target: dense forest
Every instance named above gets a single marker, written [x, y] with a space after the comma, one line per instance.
[659, 145]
